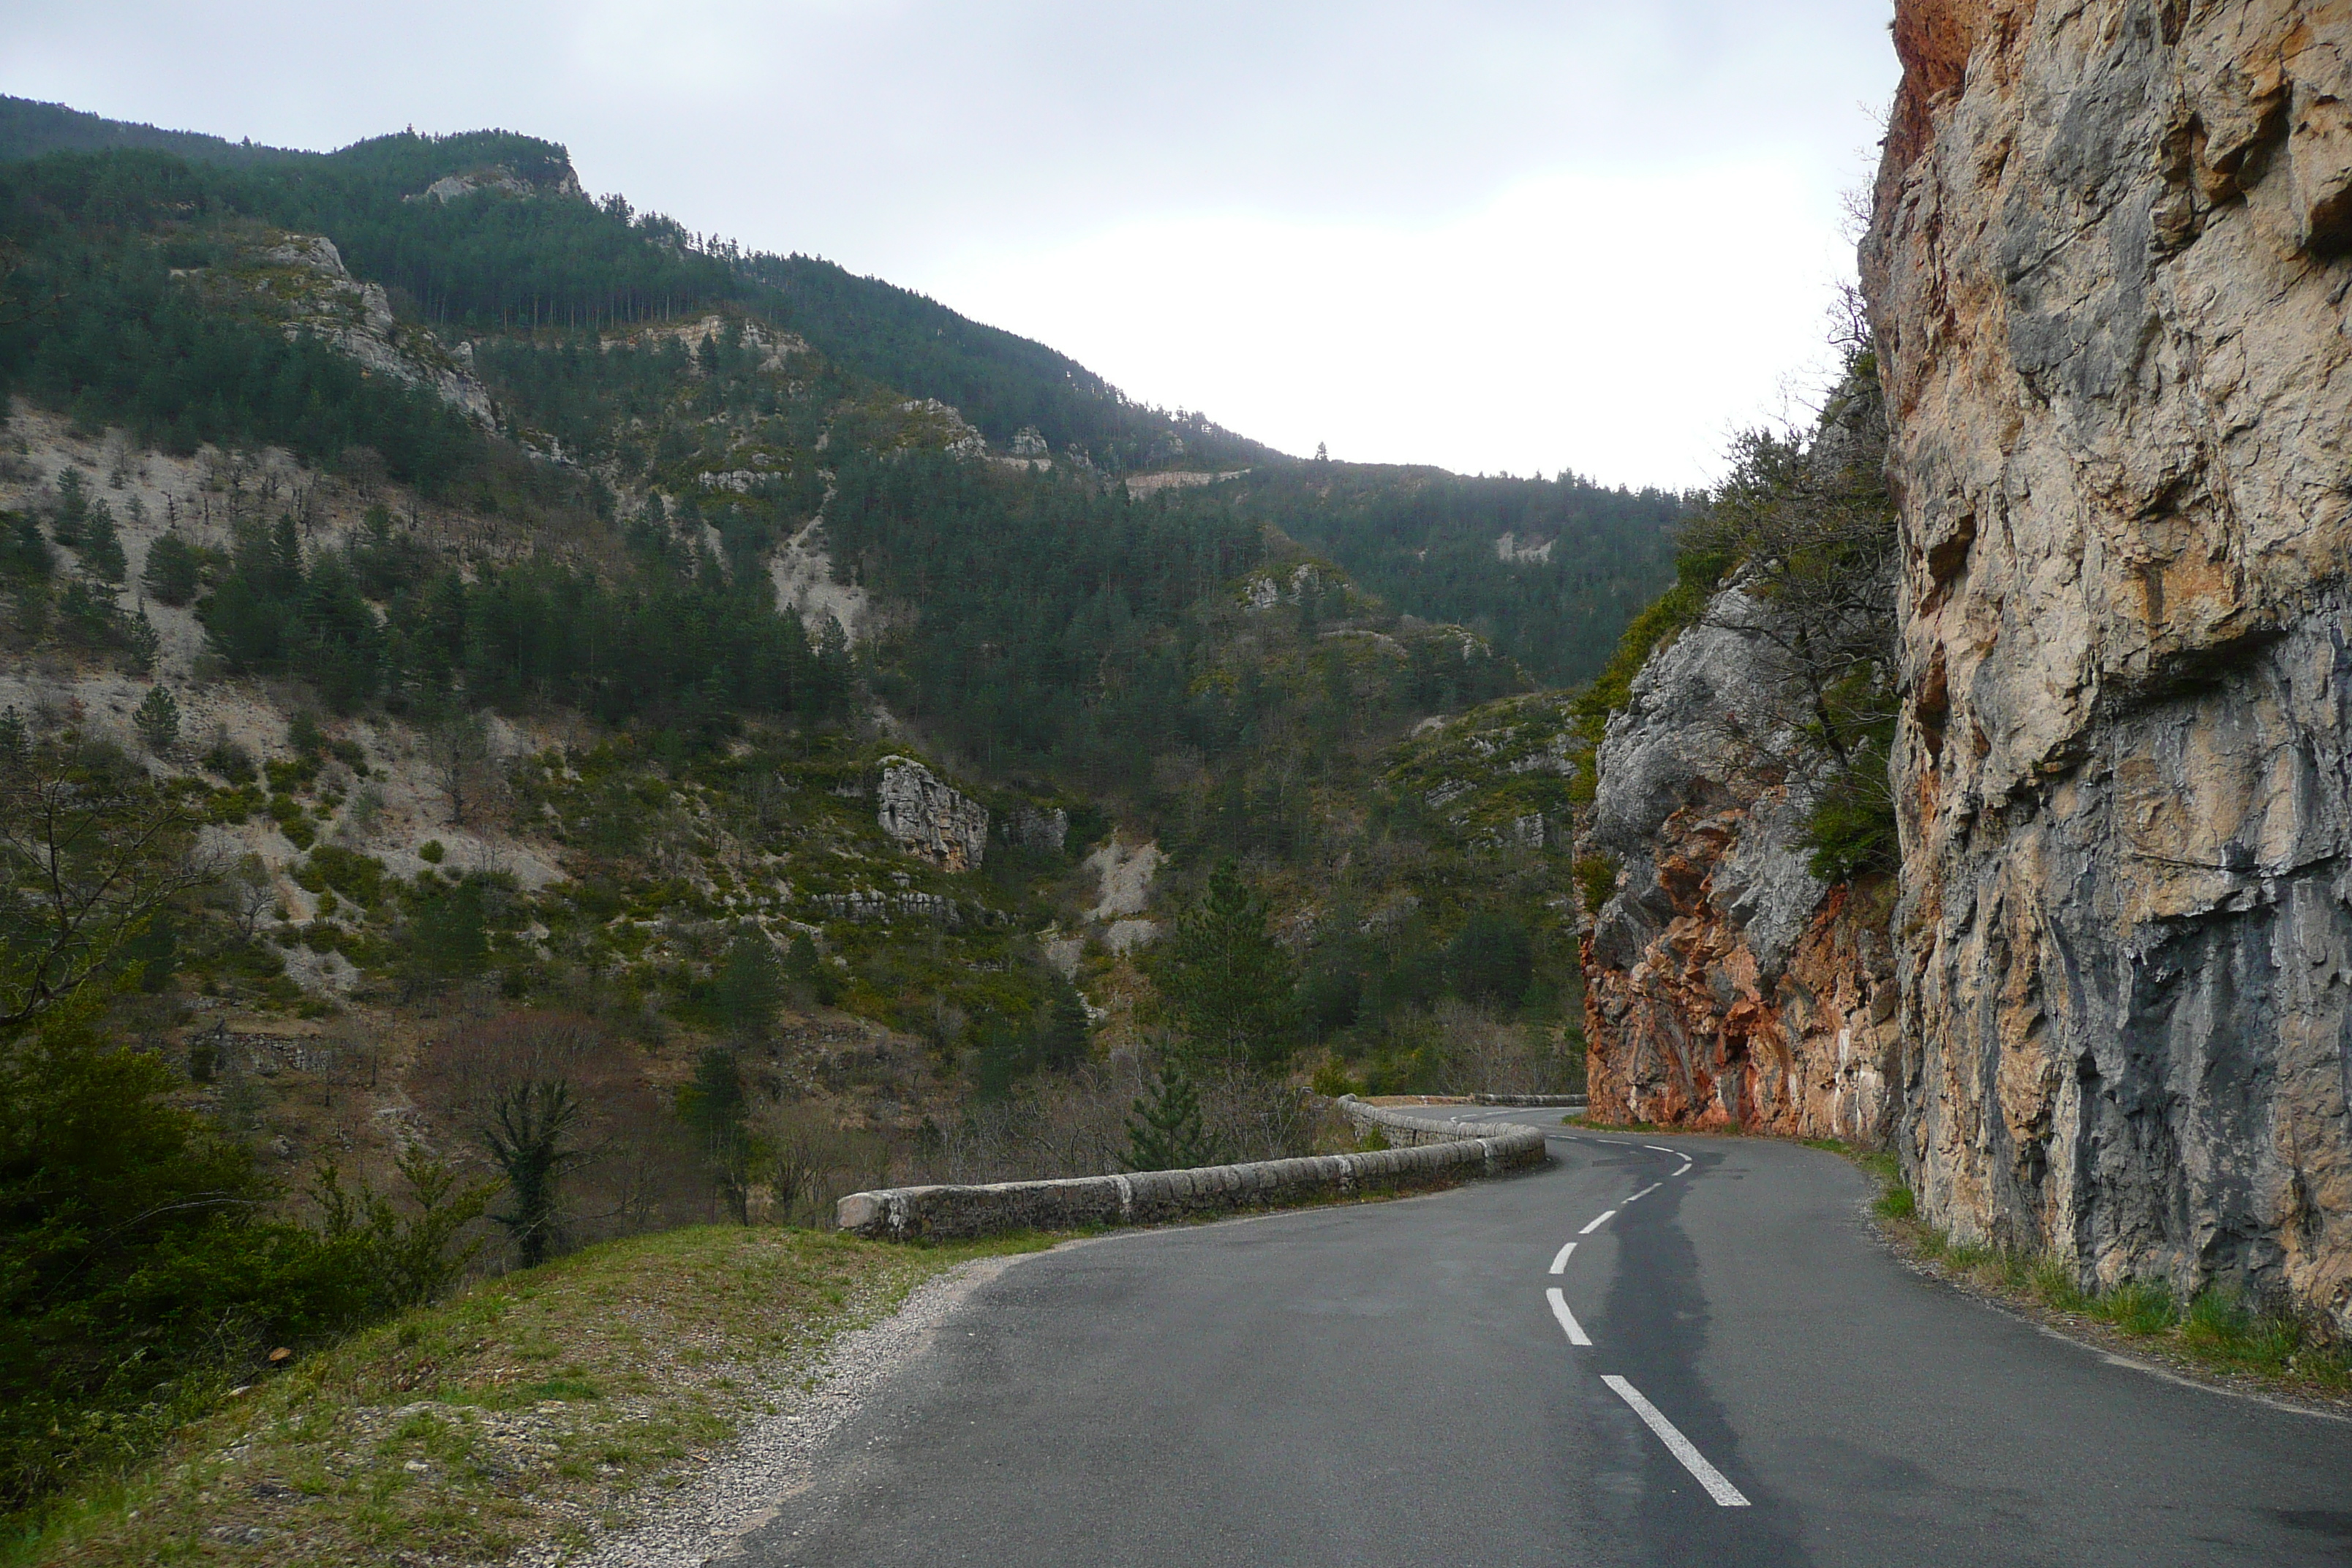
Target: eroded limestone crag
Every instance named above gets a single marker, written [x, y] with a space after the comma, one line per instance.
[934, 822]
[2109, 272]
[1725, 985]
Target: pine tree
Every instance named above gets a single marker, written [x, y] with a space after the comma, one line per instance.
[141, 642]
[73, 509]
[1231, 984]
[101, 546]
[714, 1106]
[158, 721]
[173, 567]
[1164, 1132]
[750, 983]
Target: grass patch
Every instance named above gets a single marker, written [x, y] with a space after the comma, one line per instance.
[2219, 1331]
[512, 1416]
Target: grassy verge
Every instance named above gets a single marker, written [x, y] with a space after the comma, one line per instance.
[529, 1412]
[2216, 1334]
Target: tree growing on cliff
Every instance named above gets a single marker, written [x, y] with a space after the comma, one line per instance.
[1807, 529]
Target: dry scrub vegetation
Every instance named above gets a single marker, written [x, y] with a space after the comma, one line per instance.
[538, 1410]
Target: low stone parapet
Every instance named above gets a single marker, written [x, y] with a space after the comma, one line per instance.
[1433, 1154]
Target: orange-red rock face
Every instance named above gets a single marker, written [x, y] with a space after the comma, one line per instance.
[2109, 273]
[1699, 1035]
[1725, 985]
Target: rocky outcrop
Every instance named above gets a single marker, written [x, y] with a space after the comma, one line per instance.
[930, 423]
[1046, 827]
[933, 821]
[501, 180]
[306, 272]
[872, 906]
[2107, 271]
[1725, 985]
[1124, 873]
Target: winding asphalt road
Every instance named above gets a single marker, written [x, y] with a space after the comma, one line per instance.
[1393, 1384]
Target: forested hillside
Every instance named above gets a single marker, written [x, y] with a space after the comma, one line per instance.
[1547, 570]
[562, 728]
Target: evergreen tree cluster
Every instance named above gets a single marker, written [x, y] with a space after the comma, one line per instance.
[1426, 541]
[1056, 628]
[681, 639]
[92, 321]
[553, 261]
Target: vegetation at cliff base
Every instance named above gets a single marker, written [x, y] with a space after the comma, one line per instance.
[2221, 1330]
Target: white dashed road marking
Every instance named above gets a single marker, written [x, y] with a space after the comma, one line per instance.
[1576, 1334]
[1660, 1149]
[1597, 1224]
[1560, 1258]
[1645, 1192]
[1721, 1490]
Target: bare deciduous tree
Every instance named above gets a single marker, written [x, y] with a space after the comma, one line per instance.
[88, 858]
[458, 750]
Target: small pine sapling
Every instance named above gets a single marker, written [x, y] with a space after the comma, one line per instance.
[1165, 1131]
[158, 721]
[101, 546]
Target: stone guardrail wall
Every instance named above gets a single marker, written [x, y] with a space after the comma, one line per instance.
[1432, 1154]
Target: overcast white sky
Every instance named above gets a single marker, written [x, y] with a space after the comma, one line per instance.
[1491, 234]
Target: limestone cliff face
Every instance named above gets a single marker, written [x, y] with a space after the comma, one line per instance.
[934, 822]
[2108, 276]
[1725, 985]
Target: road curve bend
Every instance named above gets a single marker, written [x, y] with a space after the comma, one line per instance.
[1656, 1351]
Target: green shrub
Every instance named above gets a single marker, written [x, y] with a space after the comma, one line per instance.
[287, 811]
[228, 759]
[1596, 880]
[142, 1268]
[359, 878]
[1852, 829]
[1331, 1078]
